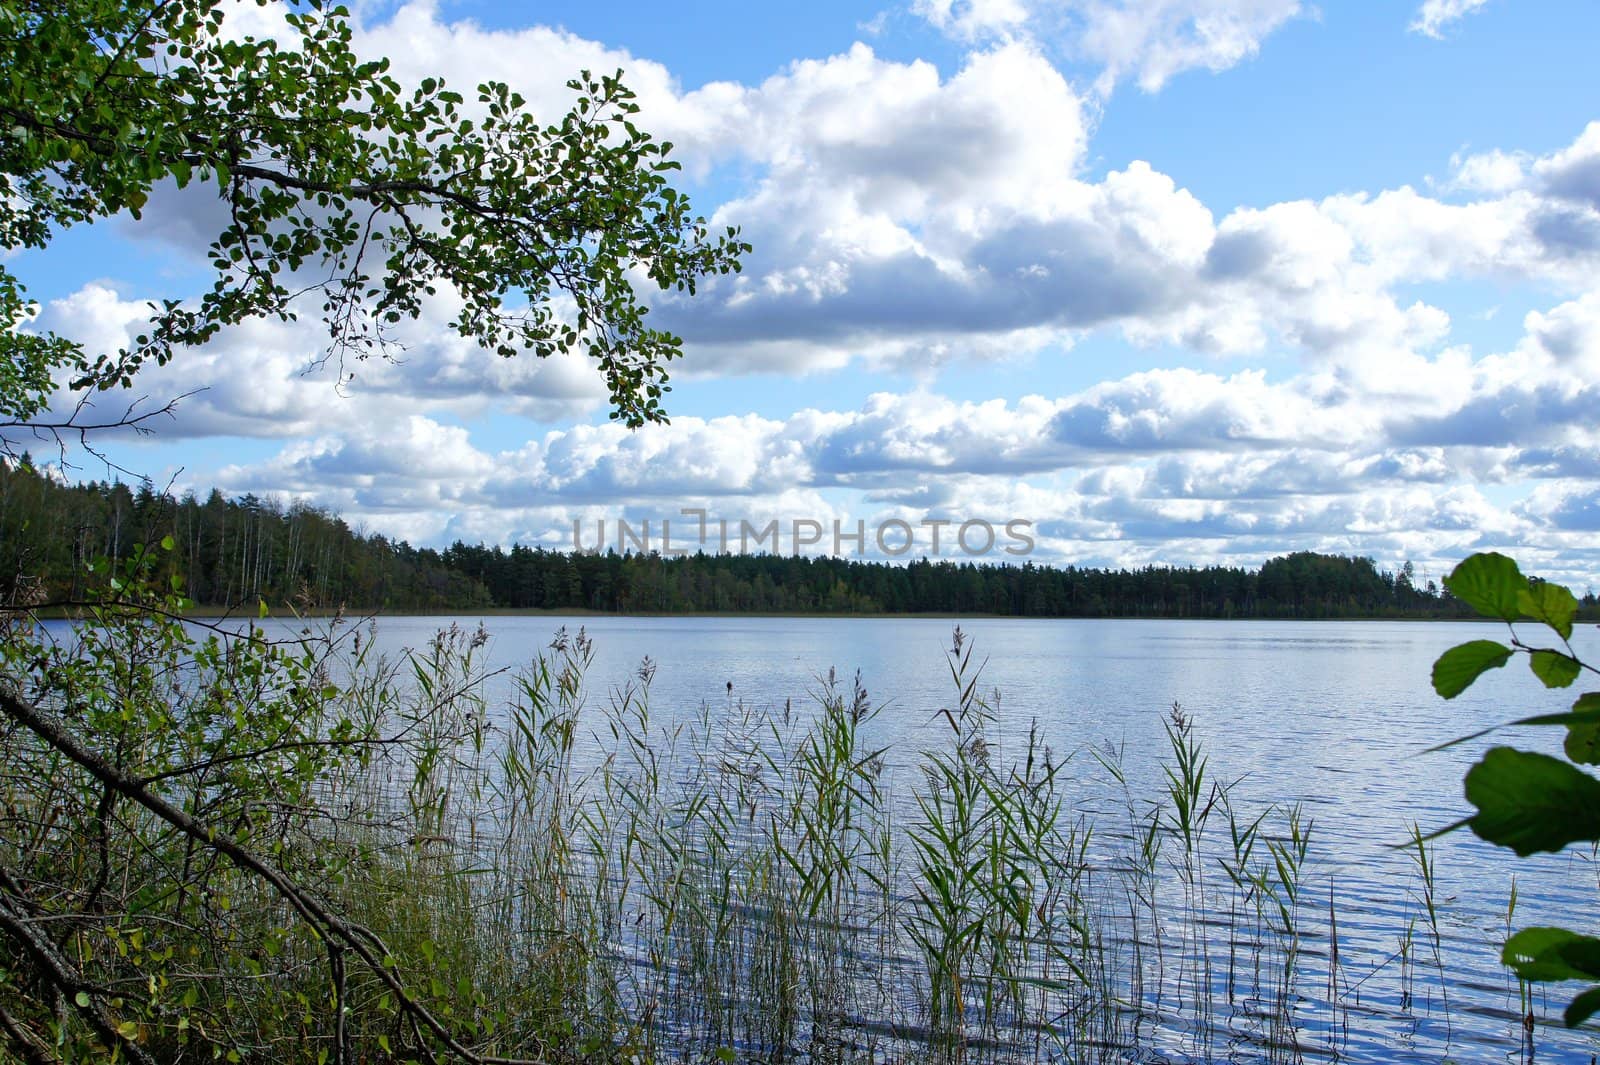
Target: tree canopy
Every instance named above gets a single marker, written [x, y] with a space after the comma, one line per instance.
[344, 190]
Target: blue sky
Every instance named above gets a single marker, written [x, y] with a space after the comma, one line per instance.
[1174, 280]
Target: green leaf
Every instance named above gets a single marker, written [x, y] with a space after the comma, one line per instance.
[1583, 730]
[1546, 954]
[1552, 604]
[1458, 667]
[1583, 954]
[1532, 802]
[1582, 1008]
[168, 543]
[1554, 668]
[1491, 584]
[82, 999]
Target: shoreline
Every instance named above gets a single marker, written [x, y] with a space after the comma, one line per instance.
[209, 614]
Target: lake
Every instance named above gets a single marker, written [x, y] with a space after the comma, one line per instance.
[1334, 716]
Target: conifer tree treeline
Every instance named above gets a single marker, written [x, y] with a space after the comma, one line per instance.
[236, 552]
[1299, 585]
[228, 552]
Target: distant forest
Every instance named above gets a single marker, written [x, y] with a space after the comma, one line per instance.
[233, 553]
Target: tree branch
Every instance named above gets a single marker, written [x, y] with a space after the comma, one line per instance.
[327, 925]
[62, 976]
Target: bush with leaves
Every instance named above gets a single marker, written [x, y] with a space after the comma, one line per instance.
[1525, 800]
[339, 185]
[191, 843]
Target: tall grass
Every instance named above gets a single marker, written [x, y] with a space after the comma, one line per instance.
[564, 876]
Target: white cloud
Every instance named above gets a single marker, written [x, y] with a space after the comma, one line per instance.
[1573, 173]
[1434, 16]
[705, 124]
[1494, 172]
[902, 143]
[265, 378]
[1571, 506]
[973, 19]
[1146, 467]
[1013, 250]
[1150, 41]
[909, 220]
[904, 218]
[1570, 335]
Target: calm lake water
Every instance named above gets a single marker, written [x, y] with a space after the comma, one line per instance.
[1335, 716]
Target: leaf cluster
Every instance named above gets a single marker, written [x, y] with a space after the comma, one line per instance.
[340, 185]
[1528, 801]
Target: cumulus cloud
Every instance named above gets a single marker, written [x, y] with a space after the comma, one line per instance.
[1155, 41]
[1013, 249]
[1435, 16]
[908, 219]
[266, 378]
[1570, 506]
[1569, 176]
[1494, 172]
[1164, 465]
[1138, 251]
[973, 19]
[1573, 173]
[1570, 335]
[898, 216]
[1183, 436]
[1150, 41]
[1168, 410]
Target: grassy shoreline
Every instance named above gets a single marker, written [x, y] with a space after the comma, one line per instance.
[207, 613]
[568, 874]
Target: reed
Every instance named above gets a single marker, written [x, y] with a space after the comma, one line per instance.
[565, 876]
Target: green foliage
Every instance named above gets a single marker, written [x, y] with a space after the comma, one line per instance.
[341, 184]
[1583, 730]
[1527, 801]
[1551, 604]
[1458, 667]
[227, 553]
[1532, 802]
[204, 850]
[215, 726]
[1491, 584]
[1555, 669]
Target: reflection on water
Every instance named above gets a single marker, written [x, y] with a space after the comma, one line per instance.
[1332, 716]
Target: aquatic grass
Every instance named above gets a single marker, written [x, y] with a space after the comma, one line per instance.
[1524, 987]
[1185, 821]
[572, 875]
[1422, 862]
